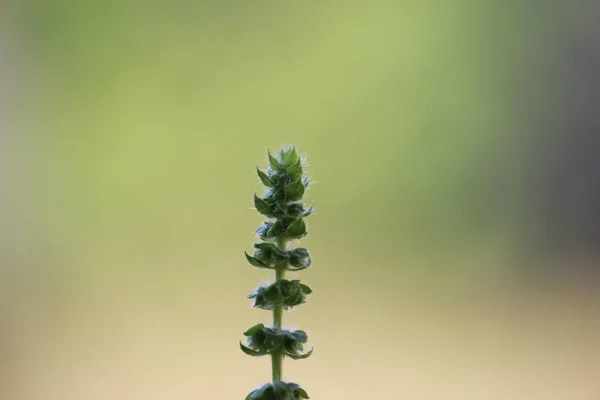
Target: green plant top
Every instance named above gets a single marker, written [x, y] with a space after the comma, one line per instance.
[282, 205]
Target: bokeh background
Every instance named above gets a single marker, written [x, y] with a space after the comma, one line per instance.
[456, 150]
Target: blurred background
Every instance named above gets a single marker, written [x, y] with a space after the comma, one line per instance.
[456, 242]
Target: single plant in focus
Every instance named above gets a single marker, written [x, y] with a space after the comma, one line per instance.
[282, 205]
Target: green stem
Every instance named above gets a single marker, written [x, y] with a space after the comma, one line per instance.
[277, 365]
[278, 309]
[277, 358]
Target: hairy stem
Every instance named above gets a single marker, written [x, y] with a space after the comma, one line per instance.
[277, 358]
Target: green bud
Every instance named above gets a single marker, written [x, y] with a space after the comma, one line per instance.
[280, 293]
[265, 341]
[256, 262]
[299, 259]
[278, 391]
[270, 256]
[288, 155]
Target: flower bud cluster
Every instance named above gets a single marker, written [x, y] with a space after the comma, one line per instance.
[278, 391]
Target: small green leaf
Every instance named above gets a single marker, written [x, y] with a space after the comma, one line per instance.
[251, 352]
[265, 245]
[276, 229]
[275, 165]
[296, 268]
[305, 288]
[254, 329]
[264, 178]
[262, 206]
[256, 262]
[300, 336]
[266, 392]
[296, 229]
[294, 191]
[301, 393]
[300, 356]
[295, 209]
[262, 304]
[294, 171]
[263, 255]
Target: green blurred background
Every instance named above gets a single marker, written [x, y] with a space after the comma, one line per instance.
[455, 239]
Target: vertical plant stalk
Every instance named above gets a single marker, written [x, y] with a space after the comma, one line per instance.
[277, 357]
[282, 206]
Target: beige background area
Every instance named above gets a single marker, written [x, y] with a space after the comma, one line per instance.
[175, 343]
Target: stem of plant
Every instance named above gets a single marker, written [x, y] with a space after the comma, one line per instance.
[282, 205]
[277, 358]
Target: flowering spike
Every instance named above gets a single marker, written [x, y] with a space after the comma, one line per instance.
[282, 205]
